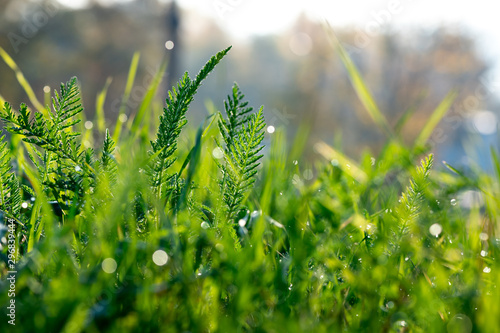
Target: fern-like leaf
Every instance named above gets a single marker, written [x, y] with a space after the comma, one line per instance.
[10, 195]
[242, 133]
[172, 121]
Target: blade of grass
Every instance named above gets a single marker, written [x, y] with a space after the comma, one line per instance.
[360, 86]
[496, 161]
[435, 118]
[33, 218]
[23, 82]
[344, 163]
[100, 120]
[136, 121]
[126, 95]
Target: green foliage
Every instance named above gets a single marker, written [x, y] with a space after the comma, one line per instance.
[242, 133]
[172, 121]
[334, 246]
[10, 197]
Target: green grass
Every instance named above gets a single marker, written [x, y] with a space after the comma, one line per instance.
[150, 233]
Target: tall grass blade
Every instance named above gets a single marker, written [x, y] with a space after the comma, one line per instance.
[360, 86]
[100, 119]
[435, 118]
[136, 121]
[344, 163]
[22, 81]
[126, 95]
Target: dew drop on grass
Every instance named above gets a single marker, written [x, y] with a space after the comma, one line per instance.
[78, 169]
[487, 270]
[109, 265]
[453, 202]
[217, 153]
[459, 323]
[435, 229]
[242, 223]
[160, 257]
[205, 225]
[295, 162]
[290, 288]
[483, 253]
[271, 129]
[24, 205]
[254, 214]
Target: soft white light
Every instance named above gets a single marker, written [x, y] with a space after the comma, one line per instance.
[218, 153]
[109, 265]
[301, 44]
[24, 205]
[485, 122]
[160, 257]
[270, 129]
[242, 222]
[122, 118]
[89, 124]
[435, 229]
[169, 45]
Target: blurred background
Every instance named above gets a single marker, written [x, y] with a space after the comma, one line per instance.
[411, 53]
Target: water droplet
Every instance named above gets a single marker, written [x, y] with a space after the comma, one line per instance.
[24, 205]
[281, 193]
[217, 153]
[271, 129]
[334, 162]
[295, 162]
[160, 257]
[242, 222]
[406, 259]
[46, 89]
[89, 124]
[435, 229]
[453, 202]
[78, 169]
[372, 160]
[205, 225]
[290, 288]
[390, 304]
[487, 270]
[109, 265]
[255, 213]
[483, 253]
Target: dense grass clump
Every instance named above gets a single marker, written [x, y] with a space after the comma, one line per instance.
[217, 234]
